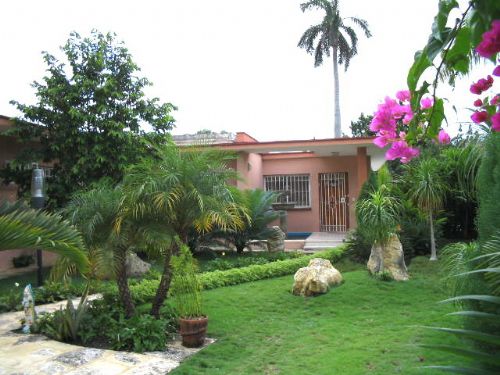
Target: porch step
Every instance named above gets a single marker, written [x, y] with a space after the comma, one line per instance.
[323, 240]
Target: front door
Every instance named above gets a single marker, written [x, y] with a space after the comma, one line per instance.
[333, 201]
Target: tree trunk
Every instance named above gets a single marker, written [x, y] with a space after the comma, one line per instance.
[433, 241]
[338, 127]
[166, 278]
[122, 281]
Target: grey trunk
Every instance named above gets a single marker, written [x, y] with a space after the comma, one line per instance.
[433, 241]
[338, 127]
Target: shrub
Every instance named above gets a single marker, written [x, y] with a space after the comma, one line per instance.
[23, 260]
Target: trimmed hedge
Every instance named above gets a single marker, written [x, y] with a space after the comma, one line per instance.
[217, 279]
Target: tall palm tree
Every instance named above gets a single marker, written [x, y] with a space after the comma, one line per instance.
[23, 227]
[332, 33]
[427, 189]
[186, 189]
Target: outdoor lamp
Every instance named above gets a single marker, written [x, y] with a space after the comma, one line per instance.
[37, 202]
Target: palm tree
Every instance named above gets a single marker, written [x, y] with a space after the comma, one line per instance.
[23, 227]
[186, 189]
[427, 189]
[332, 33]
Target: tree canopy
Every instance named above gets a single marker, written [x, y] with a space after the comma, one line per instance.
[89, 116]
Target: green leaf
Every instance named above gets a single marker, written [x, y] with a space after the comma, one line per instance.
[420, 64]
[475, 314]
[475, 335]
[477, 356]
[436, 119]
[484, 298]
[458, 55]
[439, 25]
[461, 370]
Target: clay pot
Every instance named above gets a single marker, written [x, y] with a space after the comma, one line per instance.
[193, 331]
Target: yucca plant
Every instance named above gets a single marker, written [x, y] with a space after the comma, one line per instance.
[23, 227]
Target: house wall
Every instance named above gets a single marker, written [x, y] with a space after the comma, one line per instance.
[249, 166]
[308, 220]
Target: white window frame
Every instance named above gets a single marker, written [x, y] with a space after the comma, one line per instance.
[291, 183]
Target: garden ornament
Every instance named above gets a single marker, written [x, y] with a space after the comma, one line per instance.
[29, 308]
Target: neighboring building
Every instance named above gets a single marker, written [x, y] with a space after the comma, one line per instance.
[322, 177]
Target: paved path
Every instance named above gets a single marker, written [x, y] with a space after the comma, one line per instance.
[36, 354]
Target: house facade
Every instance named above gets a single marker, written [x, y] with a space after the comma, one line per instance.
[319, 179]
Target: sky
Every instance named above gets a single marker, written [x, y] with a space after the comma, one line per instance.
[231, 65]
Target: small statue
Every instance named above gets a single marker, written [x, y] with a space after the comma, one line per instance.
[29, 308]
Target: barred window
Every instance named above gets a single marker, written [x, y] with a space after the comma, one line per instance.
[293, 188]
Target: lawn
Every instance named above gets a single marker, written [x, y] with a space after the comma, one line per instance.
[364, 326]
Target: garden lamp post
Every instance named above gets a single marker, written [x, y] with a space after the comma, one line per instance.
[37, 202]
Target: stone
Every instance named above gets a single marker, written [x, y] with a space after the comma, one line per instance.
[136, 266]
[79, 357]
[276, 242]
[317, 278]
[389, 258]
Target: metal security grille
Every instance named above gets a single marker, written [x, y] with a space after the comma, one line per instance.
[334, 210]
[292, 188]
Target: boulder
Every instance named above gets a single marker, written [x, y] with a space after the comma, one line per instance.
[317, 278]
[136, 266]
[276, 242]
[389, 258]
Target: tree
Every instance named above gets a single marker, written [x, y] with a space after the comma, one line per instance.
[88, 116]
[332, 33]
[361, 127]
[23, 227]
[186, 189]
[427, 189]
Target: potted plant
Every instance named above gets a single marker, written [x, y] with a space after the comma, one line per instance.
[186, 291]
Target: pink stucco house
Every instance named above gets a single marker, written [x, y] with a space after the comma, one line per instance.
[322, 177]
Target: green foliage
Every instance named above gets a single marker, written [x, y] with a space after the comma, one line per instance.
[141, 333]
[186, 286]
[23, 227]
[383, 276]
[361, 127]
[488, 219]
[88, 116]
[23, 260]
[227, 262]
[255, 215]
[11, 299]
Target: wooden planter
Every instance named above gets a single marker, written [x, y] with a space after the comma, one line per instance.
[193, 331]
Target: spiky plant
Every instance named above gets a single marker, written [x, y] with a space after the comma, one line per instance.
[332, 33]
[23, 227]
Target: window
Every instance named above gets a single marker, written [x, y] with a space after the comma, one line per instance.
[293, 188]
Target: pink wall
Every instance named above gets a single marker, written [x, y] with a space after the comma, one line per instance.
[48, 258]
[308, 220]
[250, 168]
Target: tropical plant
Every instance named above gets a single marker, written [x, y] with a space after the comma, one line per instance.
[427, 190]
[26, 228]
[332, 33]
[88, 117]
[256, 215]
[361, 127]
[185, 189]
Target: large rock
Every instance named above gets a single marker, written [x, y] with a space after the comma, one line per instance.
[389, 258]
[136, 266]
[316, 278]
[277, 241]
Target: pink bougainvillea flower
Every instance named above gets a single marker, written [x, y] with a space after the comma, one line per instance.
[478, 103]
[383, 119]
[426, 103]
[481, 85]
[480, 116]
[490, 44]
[495, 122]
[401, 150]
[443, 137]
[403, 95]
[384, 138]
[495, 100]
[496, 71]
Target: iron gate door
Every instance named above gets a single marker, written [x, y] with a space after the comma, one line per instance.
[334, 202]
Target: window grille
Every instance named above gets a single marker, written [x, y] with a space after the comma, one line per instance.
[292, 189]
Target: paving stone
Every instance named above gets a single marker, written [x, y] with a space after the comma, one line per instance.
[160, 367]
[30, 338]
[52, 368]
[46, 352]
[79, 357]
[126, 357]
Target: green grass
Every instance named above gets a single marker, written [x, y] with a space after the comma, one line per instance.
[364, 326]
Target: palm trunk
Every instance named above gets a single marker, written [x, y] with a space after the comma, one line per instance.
[433, 241]
[123, 288]
[338, 127]
[166, 279]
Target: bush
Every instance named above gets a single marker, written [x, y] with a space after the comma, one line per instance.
[222, 264]
[23, 260]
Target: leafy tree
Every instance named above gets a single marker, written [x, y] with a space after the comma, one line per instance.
[332, 33]
[23, 227]
[361, 127]
[88, 116]
[427, 189]
[186, 189]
